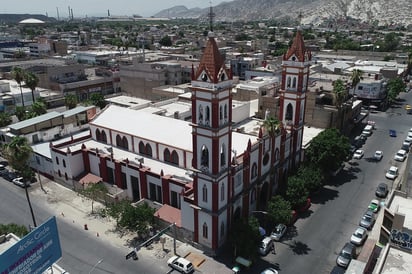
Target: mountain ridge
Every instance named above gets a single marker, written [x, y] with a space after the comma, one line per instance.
[382, 12]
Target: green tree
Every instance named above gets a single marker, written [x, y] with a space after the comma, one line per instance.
[340, 93]
[31, 81]
[5, 119]
[18, 230]
[312, 176]
[137, 218]
[279, 210]
[116, 209]
[18, 75]
[166, 41]
[395, 86]
[296, 191]
[328, 150]
[94, 192]
[70, 100]
[21, 113]
[244, 238]
[97, 99]
[38, 108]
[18, 153]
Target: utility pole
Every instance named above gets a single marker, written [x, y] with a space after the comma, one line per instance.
[28, 201]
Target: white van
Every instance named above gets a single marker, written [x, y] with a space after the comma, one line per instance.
[367, 130]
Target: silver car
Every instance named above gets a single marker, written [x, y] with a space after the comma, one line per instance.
[359, 236]
[368, 220]
[347, 253]
[278, 232]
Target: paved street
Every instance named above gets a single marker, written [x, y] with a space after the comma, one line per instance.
[313, 244]
[83, 249]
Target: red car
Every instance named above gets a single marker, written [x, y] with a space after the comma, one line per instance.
[305, 207]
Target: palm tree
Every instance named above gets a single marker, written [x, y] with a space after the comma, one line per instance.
[272, 126]
[340, 93]
[356, 77]
[31, 81]
[18, 75]
[18, 153]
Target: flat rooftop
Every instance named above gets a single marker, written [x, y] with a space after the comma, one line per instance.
[404, 206]
[397, 262]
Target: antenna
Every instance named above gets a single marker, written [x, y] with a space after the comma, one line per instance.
[211, 15]
[108, 13]
[58, 16]
[300, 16]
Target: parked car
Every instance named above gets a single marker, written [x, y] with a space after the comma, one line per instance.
[405, 147]
[278, 232]
[347, 253]
[378, 155]
[400, 155]
[374, 206]
[368, 220]
[304, 207]
[392, 133]
[407, 142]
[20, 182]
[382, 190]
[359, 236]
[358, 154]
[392, 173]
[266, 245]
[10, 176]
[269, 271]
[180, 264]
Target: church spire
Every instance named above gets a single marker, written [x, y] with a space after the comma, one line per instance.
[298, 49]
[211, 15]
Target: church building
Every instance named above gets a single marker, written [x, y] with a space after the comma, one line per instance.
[201, 174]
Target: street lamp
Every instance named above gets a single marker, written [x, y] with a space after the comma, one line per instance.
[98, 262]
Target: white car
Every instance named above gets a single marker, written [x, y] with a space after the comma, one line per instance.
[359, 236]
[400, 155]
[392, 173]
[407, 142]
[278, 232]
[358, 154]
[19, 182]
[180, 264]
[378, 155]
[269, 271]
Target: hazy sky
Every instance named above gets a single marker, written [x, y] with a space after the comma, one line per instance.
[99, 7]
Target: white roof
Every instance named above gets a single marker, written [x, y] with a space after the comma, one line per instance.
[31, 21]
[164, 130]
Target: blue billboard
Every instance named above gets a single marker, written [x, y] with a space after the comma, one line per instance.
[35, 253]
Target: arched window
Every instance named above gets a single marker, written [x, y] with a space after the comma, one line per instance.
[204, 161]
[220, 113]
[254, 171]
[225, 112]
[222, 229]
[204, 193]
[207, 119]
[205, 230]
[97, 134]
[294, 82]
[277, 154]
[125, 143]
[288, 81]
[104, 137]
[57, 161]
[118, 140]
[65, 175]
[200, 114]
[222, 155]
[175, 158]
[148, 151]
[222, 192]
[142, 148]
[166, 155]
[289, 112]
[253, 196]
[64, 163]
[60, 174]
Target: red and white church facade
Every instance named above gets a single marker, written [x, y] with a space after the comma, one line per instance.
[201, 172]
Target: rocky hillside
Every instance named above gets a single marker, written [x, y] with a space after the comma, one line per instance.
[385, 12]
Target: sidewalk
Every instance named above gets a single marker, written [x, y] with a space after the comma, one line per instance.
[69, 206]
